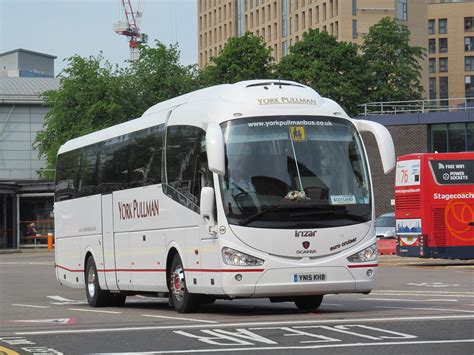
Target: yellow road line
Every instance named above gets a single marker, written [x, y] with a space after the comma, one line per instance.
[6, 351]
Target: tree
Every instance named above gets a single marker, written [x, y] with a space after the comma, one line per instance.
[393, 66]
[157, 75]
[92, 95]
[242, 58]
[334, 69]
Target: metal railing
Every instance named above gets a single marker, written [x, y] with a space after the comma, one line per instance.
[448, 1]
[417, 106]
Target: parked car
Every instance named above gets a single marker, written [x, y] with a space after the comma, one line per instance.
[385, 226]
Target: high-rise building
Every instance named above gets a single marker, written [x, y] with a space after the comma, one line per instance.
[451, 50]
[281, 23]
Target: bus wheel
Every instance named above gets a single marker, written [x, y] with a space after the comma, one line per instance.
[308, 303]
[181, 299]
[96, 297]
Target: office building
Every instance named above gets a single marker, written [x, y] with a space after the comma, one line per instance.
[451, 51]
[25, 197]
[443, 27]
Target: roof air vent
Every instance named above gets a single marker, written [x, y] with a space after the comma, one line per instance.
[278, 83]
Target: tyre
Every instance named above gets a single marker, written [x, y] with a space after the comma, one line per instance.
[116, 299]
[96, 297]
[180, 298]
[207, 299]
[308, 303]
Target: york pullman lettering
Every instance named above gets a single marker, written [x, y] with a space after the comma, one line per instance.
[287, 100]
[138, 209]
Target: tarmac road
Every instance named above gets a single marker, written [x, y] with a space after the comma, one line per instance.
[420, 306]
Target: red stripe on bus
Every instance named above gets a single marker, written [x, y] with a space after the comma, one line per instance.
[224, 270]
[132, 270]
[113, 270]
[67, 269]
[362, 265]
[164, 270]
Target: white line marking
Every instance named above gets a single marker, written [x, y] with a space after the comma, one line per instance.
[253, 324]
[93, 310]
[59, 298]
[428, 308]
[178, 318]
[325, 346]
[407, 300]
[416, 291]
[27, 263]
[28, 305]
[333, 304]
[421, 295]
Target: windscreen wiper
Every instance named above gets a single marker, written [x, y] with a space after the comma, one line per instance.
[256, 215]
[333, 213]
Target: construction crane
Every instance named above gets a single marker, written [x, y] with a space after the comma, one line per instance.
[129, 26]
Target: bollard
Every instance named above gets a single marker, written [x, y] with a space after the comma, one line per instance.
[50, 241]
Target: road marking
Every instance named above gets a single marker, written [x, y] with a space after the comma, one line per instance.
[64, 301]
[253, 324]
[425, 292]
[407, 300]
[421, 294]
[27, 263]
[333, 304]
[59, 298]
[68, 321]
[178, 318]
[432, 284]
[7, 351]
[428, 308]
[304, 347]
[93, 310]
[28, 305]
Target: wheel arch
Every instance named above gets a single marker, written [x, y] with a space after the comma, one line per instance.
[89, 253]
[173, 250]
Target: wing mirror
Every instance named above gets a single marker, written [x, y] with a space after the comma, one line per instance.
[384, 142]
[207, 209]
[215, 148]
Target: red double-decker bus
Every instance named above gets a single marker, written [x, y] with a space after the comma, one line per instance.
[434, 205]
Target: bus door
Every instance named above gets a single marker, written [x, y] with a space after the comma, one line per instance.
[108, 248]
[210, 251]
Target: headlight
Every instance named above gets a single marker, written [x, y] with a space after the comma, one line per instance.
[236, 258]
[368, 254]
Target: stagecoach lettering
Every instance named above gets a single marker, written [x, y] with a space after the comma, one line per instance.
[138, 209]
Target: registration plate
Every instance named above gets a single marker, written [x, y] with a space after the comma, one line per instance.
[309, 277]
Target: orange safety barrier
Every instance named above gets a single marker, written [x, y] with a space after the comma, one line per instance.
[387, 246]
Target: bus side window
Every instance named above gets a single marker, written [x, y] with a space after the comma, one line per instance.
[203, 168]
[145, 161]
[113, 164]
[88, 176]
[184, 165]
[67, 175]
[154, 174]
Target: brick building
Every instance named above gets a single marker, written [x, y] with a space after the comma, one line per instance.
[416, 133]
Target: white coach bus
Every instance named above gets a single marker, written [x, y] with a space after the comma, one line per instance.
[250, 190]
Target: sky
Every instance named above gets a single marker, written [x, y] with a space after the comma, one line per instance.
[85, 27]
